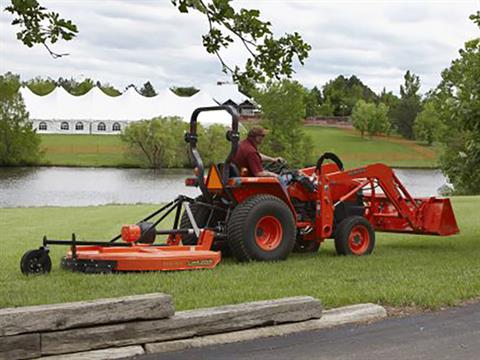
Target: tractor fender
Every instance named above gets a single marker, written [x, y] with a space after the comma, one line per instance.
[243, 188]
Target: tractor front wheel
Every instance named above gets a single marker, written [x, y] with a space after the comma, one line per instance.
[355, 236]
[261, 228]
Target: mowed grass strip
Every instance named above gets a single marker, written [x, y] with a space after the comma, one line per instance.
[109, 150]
[404, 270]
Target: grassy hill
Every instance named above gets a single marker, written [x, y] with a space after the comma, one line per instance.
[108, 150]
[356, 151]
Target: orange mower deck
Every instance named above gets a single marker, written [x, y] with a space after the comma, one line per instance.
[143, 257]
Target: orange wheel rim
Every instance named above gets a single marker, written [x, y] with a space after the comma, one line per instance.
[359, 240]
[268, 233]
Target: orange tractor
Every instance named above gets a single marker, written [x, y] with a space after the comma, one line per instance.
[260, 219]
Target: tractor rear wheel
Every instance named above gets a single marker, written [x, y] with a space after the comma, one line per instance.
[355, 236]
[261, 228]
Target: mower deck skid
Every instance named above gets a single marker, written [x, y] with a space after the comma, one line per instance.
[96, 259]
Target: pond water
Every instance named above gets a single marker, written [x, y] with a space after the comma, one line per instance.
[64, 186]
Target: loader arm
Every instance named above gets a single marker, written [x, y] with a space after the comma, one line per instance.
[395, 210]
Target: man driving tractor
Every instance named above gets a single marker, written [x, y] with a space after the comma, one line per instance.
[249, 158]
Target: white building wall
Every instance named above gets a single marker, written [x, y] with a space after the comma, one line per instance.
[75, 127]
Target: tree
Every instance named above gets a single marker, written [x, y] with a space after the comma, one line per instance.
[184, 91]
[108, 89]
[212, 144]
[158, 141]
[457, 101]
[131, 86]
[326, 108]
[19, 144]
[427, 125]
[39, 26]
[343, 94]
[268, 57]
[370, 118]
[148, 90]
[283, 110]
[312, 106]
[391, 101]
[74, 87]
[41, 86]
[409, 106]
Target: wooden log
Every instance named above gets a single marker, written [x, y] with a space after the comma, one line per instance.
[84, 313]
[183, 325]
[25, 346]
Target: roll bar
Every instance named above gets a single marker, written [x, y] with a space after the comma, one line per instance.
[191, 138]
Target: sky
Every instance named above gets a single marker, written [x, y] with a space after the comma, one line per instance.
[133, 41]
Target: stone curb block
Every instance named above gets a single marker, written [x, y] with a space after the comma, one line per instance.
[184, 324]
[24, 346]
[105, 354]
[53, 317]
[330, 318]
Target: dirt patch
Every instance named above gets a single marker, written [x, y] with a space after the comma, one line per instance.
[401, 311]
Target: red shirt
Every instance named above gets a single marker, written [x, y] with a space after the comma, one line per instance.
[247, 156]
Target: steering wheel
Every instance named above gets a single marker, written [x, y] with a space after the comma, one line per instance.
[329, 156]
[276, 167]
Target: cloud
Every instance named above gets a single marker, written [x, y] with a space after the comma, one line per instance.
[125, 42]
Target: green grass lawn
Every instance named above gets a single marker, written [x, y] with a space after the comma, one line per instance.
[86, 150]
[404, 270]
[357, 151]
[109, 150]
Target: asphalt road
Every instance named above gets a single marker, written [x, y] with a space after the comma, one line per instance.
[449, 334]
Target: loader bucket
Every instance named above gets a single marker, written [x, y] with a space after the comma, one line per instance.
[438, 217]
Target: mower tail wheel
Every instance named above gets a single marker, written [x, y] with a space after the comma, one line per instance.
[35, 262]
[355, 236]
[261, 228]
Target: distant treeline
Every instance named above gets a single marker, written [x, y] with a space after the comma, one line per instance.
[43, 86]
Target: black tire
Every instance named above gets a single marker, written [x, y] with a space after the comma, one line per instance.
[243, 229]
[36, 262]
[354, 236]
[201, 214]
[148, 233]
[306, 246]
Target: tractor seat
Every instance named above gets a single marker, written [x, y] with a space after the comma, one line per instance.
[233, 171]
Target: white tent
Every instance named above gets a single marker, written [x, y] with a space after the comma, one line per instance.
[98, 113]
[225, 92]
